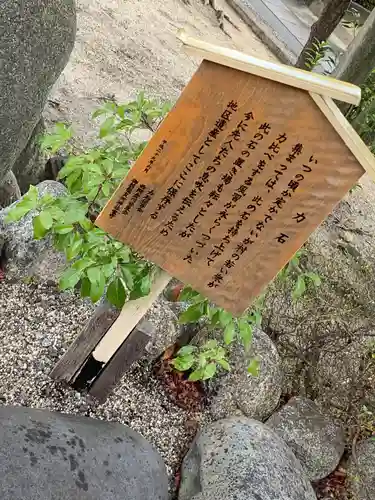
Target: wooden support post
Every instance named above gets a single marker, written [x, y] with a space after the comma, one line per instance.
[131, 350]
[68, 366]
[104, 335]
[132, 312]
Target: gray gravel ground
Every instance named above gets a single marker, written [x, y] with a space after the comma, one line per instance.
[37, 324]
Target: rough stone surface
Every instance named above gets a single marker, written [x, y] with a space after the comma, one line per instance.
[325, 337]
[166, 328]
[242, 459]
[315, 440]
[360, 58]
[37, 38]
[52, 456]
[30, 166]
[239, 392]
[361, 471]
[9, 190]
[24, 256]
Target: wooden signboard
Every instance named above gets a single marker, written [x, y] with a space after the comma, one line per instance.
[234, 181]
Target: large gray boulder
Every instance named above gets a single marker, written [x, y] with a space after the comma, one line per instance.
[240, 392]
[165, 328]
[361, 471]
[23, 256]
[52, 456]
[37, 37]
[315, 440]
[242, 459]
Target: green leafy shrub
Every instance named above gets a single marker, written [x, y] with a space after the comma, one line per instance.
[97, 262]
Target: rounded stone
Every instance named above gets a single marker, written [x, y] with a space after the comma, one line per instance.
[52, 456]
[242, 459]
[316, 441]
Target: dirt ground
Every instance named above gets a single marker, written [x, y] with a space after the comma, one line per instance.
[124, 46]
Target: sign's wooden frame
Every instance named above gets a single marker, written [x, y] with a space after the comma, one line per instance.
[321, 88]
[108, 344]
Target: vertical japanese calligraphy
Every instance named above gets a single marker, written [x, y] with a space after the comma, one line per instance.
[232, 183]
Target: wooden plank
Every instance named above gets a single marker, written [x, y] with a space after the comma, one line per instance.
[131, 314]
[347, 133]
[131, 350]
[97, 326]
[233, 182]
[306, 80]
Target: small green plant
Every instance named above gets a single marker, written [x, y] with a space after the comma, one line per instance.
[318, 51]
[204, 360]
[366, 422]
[98, 263]
[301, 278]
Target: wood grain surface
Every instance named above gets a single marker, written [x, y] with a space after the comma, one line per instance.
[234, 181]
[95, 329]
[131, 350]
[302, 79]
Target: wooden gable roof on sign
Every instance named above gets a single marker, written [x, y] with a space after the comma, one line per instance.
[253, 156]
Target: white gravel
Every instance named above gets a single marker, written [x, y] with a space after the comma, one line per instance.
[37, 325]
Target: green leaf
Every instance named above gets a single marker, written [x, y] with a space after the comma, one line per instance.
[253, 367]
[108, 269]
[94, 274]
[187, 294]
[192, 314]
[97, 289]
[76, 214]
[209, 371]
[225, 318]
[224, 364]
[141, 288]
[46, 199]
[86, 224]
[74, 249]
[46, 219]
[106, 189]
[107, 127]
[69, 279]
[196, 375]
[116, 293]
[256, 317]
[41, 225]
[27, 203]
[71, 181]
[229, 333]
[246, 332]
[183, 363]
[82, 264]
[315, 278]
[62, 241]
[211, 344]
[128, 276]
[85, 287]
[32, 195]
[299, 288]
[220, 353]
[63, 228]
[186, 349]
